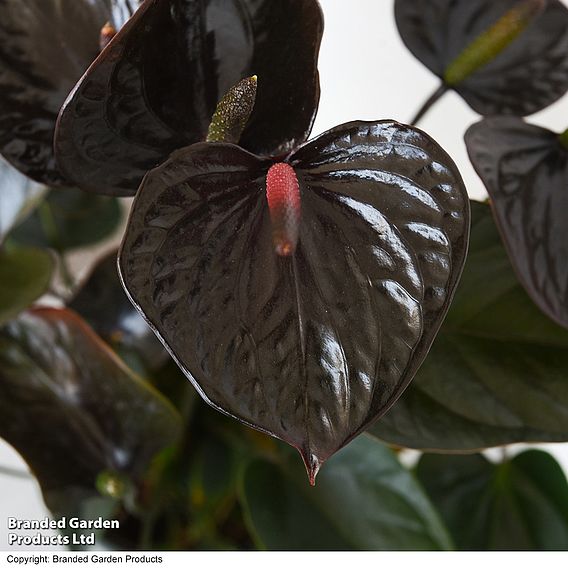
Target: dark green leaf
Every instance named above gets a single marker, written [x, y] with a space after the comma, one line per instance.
[520, 504]
[70, 218]
[212, 485]
[73, 410]
[364, 500]
[105, 306]
[212, 473]
[25, 275]
[520, 77]
[18, 197]
[313, 345]
[525, 169]
[156, 87]
[498, 371]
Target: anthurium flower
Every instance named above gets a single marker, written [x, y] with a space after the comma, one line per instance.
[300, 294]
[157, 85]
[45, 47]
[525, 168]
[502, 57]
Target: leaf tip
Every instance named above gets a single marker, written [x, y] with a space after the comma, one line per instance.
[313, 465]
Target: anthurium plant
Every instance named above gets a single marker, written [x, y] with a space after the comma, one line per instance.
[337, 297]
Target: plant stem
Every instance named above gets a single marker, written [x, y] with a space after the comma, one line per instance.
[66, 273]
[564, 139]
[430, 102]
[48, 223]
[147, 533]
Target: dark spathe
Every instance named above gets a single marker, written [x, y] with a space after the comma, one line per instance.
[156, 87]
[311, 346]
[525, 169]
[519, 67]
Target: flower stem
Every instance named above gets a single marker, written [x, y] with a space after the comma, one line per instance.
[564, 138]
[430, 102]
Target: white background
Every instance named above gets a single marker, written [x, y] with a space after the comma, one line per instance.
[366, 74]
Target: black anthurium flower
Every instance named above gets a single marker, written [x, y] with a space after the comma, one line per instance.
[156, 86]
[501, 56]
[301, 294]
[45, 47]
[525, 170]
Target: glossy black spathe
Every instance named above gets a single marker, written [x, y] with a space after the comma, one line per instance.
[524, 169]
[313, 346]
[502, 57]
[155, 88]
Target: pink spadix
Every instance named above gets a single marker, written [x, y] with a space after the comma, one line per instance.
[284, 204]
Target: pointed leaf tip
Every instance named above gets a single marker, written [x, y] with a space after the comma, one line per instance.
[313, 465]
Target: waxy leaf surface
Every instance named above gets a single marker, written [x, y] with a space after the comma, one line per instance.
[72, 409]
[25, 275]
[45, 47]
[18, 197]
[314, 346]
[156, 87]
[104, 305]
[528, 75]
[364, 500]
[520, 504]
[525, 170]
[497, 372]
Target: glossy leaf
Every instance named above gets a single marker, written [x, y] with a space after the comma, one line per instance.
[310, 347]
[72, 409]
[103, 304]
[497, 372]
[25, 275]
[520, 504]
[364, 500]
[45, 47]
[525, 169]
[18, 197]
[155, 89]
[529, 74]
[70, 219]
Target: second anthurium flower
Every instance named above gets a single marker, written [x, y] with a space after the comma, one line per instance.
[299, 286]
[155, 87]
[500, 56]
